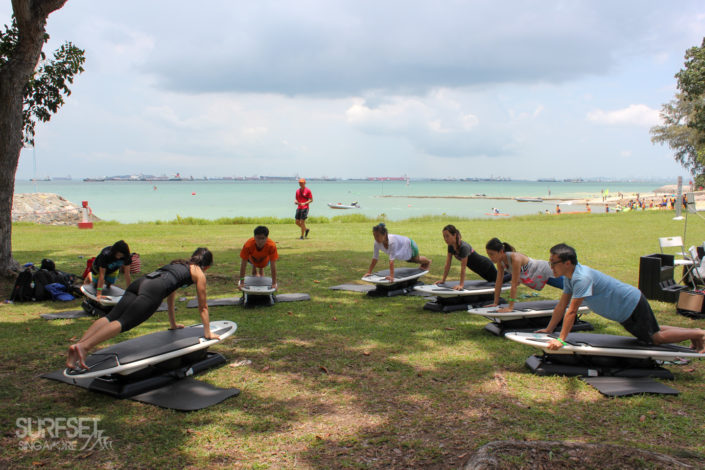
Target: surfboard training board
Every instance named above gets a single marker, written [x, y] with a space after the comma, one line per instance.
[111, 295]
[590, 344]
[400, 275]
[539, 308]
[137, 353]
[475, 287]
[258, 286]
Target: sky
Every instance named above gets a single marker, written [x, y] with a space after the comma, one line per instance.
[351, 89]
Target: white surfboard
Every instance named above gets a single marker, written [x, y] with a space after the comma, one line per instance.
[476, 287]
[137, 353]
[534, 309]
[400, 275]
[258, 286]
[591, 344]
[111, 295]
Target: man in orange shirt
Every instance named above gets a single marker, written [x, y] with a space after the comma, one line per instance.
[259, 251]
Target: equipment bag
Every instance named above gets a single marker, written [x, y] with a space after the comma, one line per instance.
[23, 290]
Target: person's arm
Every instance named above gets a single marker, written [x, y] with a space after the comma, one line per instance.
[128, 276]
[372, 266]
[243, 269]
[200, 280]
[568, 321]
[274, 273]
[498, 285]
[463, 265]
[558, 312]
[391, 270]
[446, 269]
[172, 312]
[100, 283]
[516, 269]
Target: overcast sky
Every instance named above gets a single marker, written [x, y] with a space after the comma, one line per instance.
[524, 89]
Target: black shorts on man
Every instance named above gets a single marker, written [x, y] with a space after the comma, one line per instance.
[301, 214]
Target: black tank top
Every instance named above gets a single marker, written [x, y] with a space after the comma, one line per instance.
[174, 276]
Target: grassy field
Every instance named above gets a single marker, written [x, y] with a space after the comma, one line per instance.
[344, 380]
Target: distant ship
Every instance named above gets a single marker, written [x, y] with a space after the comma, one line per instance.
[574, 180]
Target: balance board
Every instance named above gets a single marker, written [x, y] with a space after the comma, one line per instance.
[590, 344]
[137, 353]
[535, 309]
[400, 275]
[258, 286]
[111, 295]
[477, 287]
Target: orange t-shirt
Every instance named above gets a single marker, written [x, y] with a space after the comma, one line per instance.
[259, 258]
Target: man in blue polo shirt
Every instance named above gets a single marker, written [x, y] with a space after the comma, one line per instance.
[609, 298]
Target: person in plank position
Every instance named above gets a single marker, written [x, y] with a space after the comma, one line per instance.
[609, 298]
[142, 298]
[397, 247]
[259, 251]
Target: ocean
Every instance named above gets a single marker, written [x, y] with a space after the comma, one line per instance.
[129, 202]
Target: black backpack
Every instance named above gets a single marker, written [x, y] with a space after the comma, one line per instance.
[23, 291]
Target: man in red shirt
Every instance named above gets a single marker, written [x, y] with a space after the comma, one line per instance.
[259, 251]
[303, 199]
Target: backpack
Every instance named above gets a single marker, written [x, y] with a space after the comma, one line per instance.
[43, 278]
[48, 264]
[23, 290]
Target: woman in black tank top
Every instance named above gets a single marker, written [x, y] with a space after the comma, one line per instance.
[142, 298]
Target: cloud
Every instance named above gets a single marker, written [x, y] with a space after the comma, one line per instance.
[632, 115]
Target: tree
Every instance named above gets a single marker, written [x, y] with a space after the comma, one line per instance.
[684, 139]
[27, 93]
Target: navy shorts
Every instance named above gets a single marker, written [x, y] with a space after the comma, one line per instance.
[642, 322]
[301, 214]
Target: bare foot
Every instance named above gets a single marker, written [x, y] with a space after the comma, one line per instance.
[71, 359]
[81, 355]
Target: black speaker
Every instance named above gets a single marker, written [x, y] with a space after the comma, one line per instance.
[656, 277]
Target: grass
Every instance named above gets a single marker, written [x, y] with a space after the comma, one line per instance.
[343, 380]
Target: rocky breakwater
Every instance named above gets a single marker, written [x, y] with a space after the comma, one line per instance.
[46, 208]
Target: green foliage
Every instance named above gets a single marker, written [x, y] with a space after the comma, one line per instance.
[45, 90]
[684, 117]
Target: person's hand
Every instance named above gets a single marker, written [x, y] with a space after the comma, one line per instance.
[274, 285]
[177, 326]
[437, 283]
[543, 330]
[555, 345]
[505, 310]
[368, 274]
[459, 287]
[210, 335]
[493, 304]
[389, 278]
[241, 284]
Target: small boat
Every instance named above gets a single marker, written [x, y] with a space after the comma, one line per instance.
[528, 199]
[340, 205]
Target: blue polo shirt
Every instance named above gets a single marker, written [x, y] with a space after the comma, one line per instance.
[603, 294]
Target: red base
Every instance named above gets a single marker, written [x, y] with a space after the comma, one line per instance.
[85, 225]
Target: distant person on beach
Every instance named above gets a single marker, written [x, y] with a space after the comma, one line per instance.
[587, 207]
[260, 251]
[398, 247]
[533, 273]
[304, 197]
[611, 299]
[468, 257]
[142, 298]
[607, 208]
[105, 267]
[558, 209]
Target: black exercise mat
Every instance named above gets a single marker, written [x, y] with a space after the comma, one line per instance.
[354, 287]
[627, 386]
[291, 297]
[620, 342]
[187, 394]
[65, 315]
[224, 302]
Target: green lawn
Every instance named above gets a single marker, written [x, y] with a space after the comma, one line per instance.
[344, 380]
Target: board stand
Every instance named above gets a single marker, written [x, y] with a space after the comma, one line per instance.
[459, 302]
[399, 288]
[576, 365]
[251, 301]
[529, 325]
[96, 309]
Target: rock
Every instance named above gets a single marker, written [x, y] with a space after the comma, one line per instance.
[46, 208]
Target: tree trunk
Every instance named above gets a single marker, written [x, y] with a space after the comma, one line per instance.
[31, 16]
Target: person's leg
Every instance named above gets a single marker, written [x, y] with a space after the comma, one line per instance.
[556, 282]
[674, 334]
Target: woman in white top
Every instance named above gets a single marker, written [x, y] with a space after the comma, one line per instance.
[533, 273]
[397, 247]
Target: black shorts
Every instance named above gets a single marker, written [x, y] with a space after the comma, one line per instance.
[301, 214]
[642, 322]
[139, 302]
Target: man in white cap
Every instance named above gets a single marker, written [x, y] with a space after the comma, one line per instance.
[303, 199]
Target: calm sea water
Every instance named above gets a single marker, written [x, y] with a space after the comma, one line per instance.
[139, 201]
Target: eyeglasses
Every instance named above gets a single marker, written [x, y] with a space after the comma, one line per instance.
[553, 263]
